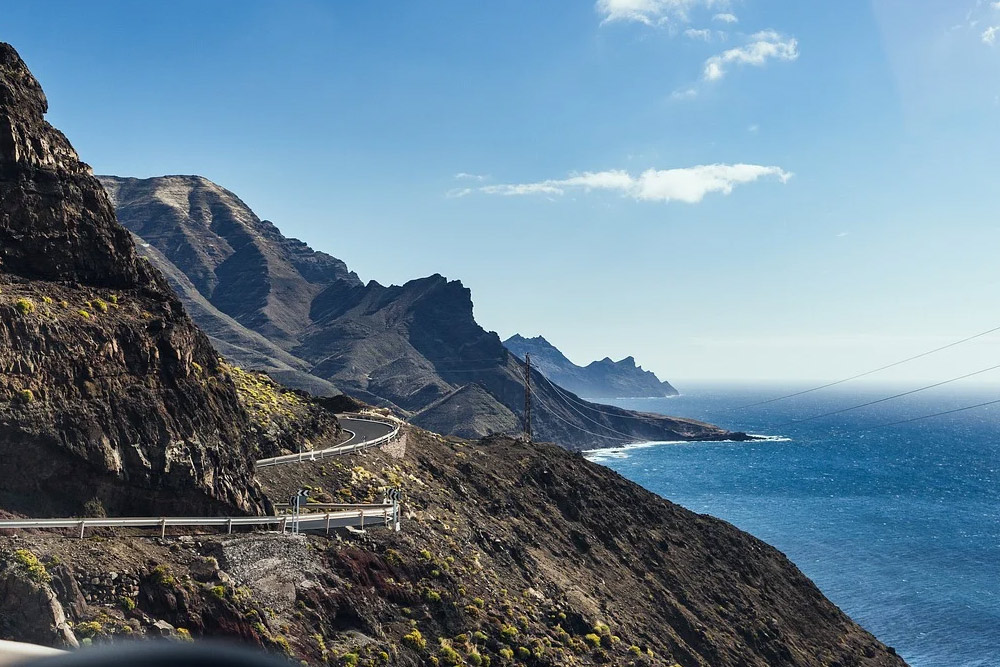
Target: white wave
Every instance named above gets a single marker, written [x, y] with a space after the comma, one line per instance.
[623, 452]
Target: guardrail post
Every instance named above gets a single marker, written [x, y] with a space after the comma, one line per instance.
[395, 516]
[229, 526]
[163, 527]
[362, 512]
[284, 522]
[83, 526]
[327, 523]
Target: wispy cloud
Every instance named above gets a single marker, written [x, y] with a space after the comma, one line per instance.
[990, 35]
[687, 184]
[653, 12]
[684, 94]
[701, 33]
[726, 18]
[762, 47]
[465, 176]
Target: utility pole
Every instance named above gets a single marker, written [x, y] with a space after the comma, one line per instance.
[527, 397]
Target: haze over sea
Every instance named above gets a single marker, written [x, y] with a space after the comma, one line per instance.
[899, 526]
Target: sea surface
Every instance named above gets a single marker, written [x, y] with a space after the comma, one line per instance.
[899, 525]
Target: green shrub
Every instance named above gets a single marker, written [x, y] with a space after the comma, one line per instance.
[602, 629]
[479, 602]
[218, 591]
[24, 306]
[184, 635]
[507, 654]
[349, 659]
[128, 604]
[474, 659]
[634, 650]
[84, 314]
[449, 656]
[94, 508]
[113, 299]
[162, 576]
[34, 567]
[508, 632]
[25, 396]
[415, 640]
[100, 305]
[88, 629]
[283, 644]
[523, 652]
[46, 299]
[432, 596]
[592, 639]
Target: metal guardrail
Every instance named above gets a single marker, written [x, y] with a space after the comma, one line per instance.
[346, 515]
[336, 450]
[388, 513]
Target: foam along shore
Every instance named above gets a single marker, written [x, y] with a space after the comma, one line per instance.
[622, 452]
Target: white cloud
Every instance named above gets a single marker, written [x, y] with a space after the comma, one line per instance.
[689, 184]
[465, 176]
[763, 46]
[684, 94]
[726, 18]
[702, 33]
[990, 35]
[652, 12]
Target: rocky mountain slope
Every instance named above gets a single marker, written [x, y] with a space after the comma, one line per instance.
[599, 379]
[110, 397]
[510, 554]
[416, 348]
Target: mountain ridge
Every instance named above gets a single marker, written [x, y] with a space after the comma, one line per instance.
[400, 346]
[603, 378]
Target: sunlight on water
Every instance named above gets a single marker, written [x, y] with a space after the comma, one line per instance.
[899, 526]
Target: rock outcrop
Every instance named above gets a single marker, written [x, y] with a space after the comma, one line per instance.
[110, 397]
[598, 379]
[416, 348]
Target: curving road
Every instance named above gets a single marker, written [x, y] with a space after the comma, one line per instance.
[364, 430]
[364, 433]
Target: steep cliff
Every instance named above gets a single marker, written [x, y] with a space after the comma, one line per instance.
[414, 347]
[509, 554]
[598, 379]
[110, 397]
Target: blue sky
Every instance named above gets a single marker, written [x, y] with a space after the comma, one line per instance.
[748, 189]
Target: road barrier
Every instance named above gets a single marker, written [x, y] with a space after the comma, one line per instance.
[354, 517]
[344, 516]
[336, 450]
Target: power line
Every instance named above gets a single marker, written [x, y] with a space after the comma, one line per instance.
[580, 428]
[527, 397]
[631, 437]
[936, 414]
[871, 372]
[888, 398]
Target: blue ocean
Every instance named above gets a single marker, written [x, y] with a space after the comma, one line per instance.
[899, 526]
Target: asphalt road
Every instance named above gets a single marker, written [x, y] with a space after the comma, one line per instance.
[364, 430]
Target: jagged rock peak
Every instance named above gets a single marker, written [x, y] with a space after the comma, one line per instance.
[56, 222]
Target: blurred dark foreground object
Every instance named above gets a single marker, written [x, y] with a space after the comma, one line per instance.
[161, 654]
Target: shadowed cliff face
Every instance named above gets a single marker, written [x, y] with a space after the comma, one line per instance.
[109, 395]
[414, 347]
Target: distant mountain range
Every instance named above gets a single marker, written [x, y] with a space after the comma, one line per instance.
[272, 303]
[599, 379]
